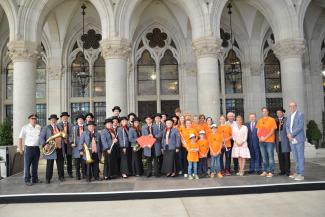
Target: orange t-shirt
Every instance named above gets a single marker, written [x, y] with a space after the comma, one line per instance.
[193, 156]
[208, 130]
[185, 135]
[203, 147]
[215, 141]
[268, 124]
[225, 131]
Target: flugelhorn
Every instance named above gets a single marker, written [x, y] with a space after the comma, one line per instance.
[51, 143]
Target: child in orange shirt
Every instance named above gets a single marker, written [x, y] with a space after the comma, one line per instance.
[192, 157]
[215, 142]
[226, 133]
[203, 154]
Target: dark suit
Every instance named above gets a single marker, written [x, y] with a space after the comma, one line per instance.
[57, 155]
[282, 146]
[254, 149]
[67, 147]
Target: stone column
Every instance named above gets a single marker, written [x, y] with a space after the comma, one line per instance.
[289, 52]
[206, 49]
[116, 53]
[55, 90]
[24, 55]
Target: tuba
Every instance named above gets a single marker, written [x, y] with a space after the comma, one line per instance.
[89, 160]
[52, 143]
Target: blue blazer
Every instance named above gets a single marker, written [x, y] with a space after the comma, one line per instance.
[133, 136]
[157, 134]
[85, 138]
[174, 140]
[46, 133]
[74, 137]
[106, 139]
[298, 131]
[123, 138]
[252, 138]
[285, 144]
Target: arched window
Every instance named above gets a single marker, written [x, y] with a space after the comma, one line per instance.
[157, 74]
[76, 89]
[168, 74]
[9, 80]
[272, 73]
[146, 75]
[233, 74]
[99, 77]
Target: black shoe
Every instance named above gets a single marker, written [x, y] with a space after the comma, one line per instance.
[78, 178]
[251, 172]
[282, 174]
[70, 176]
[61, 179]
[98, 179]
[28, 183]
[47, 181]
[37, 181]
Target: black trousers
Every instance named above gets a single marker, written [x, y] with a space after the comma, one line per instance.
[93, 168]
[31, 158]
[137, 163]
[79, 164]
[152, 160]
[69, 164]
[184, 160]
[284, 161]
[59, 165]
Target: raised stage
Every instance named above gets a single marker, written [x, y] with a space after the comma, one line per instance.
[13, 190]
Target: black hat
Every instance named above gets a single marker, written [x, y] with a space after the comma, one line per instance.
[132, 114]
[116, 108]
[147, 116]
[53, 116]
[32, 115]
[115, 118]
[136, 119]
[91, 123]
[169, 119]
[64, 114]
[123, 118]
[281, 109]
[80, 116]
[158, 115]
[108, 120]
[90, 114]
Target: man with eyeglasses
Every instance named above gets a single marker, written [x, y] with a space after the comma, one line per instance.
[28, 145]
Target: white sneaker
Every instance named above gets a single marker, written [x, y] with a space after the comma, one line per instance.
[299, 178]
[190, 177]
[196, 177]
[185, 175]
[293, 176]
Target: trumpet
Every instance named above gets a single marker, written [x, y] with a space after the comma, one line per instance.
[89, 160]
[52, 143]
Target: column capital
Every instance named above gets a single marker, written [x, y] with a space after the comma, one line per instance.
[55, 72]
[21, 51]
[290, 48]
[206, 46]
[115, 48]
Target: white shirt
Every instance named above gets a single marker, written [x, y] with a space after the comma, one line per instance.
[292, 118]
[30, 134]
[232, 124]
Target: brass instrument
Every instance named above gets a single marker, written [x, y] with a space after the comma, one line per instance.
[51, 143]
[89, 160]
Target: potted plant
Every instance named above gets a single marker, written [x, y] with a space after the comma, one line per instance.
[313, 133]
[6, 134]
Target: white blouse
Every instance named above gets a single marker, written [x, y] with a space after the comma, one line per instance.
[240, 135]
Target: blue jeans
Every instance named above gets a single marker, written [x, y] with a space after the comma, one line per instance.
[192, 166]
[299, 157]
[267, 151]
[215, 164]
[203, 166]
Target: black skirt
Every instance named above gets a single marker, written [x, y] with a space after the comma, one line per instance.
[169, 162]
[125, 161]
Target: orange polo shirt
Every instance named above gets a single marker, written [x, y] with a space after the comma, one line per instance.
[193, 156]
[268, 124]
[225, 131]
[215, 141]
[203, 147]
[185, 134]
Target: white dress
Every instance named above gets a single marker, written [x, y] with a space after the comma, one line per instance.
[240, 135]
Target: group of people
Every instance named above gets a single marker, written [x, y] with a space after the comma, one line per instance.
[192, 146]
